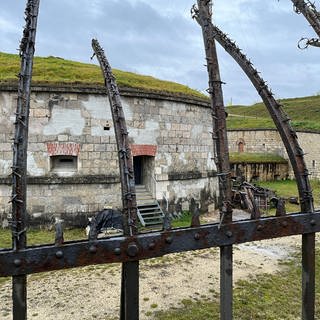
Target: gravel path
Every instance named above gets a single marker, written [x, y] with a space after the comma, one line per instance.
[93, 292]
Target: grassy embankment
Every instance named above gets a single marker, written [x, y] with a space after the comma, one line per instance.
[304, 112]
[56, 71]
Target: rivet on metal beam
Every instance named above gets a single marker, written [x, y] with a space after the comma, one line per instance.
[117, 251]
[313, 222]
[169, 240]
[132, 250]
[59, 254]
[152, 245]
[92, 249]
[197, 236]
[259, 227]
[17, 262]
[229, 234]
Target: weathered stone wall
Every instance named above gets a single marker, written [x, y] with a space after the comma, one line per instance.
[78, 123]
[260, 171]
[269, 141]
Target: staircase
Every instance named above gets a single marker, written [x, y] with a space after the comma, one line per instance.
[149, 212]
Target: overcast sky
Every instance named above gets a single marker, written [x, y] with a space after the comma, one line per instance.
[159, 38]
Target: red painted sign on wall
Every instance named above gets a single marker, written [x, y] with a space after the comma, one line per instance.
[63, 149]
[143, 150]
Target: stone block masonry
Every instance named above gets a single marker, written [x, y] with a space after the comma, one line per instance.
[269, 141]
[73, 161]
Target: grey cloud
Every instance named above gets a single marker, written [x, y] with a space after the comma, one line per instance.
[158, 37]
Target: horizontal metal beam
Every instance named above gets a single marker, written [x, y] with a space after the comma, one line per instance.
[153, 244]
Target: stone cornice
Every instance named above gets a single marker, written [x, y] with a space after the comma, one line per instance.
[124, 91]
[54, 179]
[101, 179]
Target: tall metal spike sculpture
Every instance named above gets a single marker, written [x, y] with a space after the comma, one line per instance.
[289, 138]
[221, 153]
[130, 270]
[20, 145]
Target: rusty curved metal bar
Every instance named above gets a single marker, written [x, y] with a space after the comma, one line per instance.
[310, 12]
[219, 134]
[129, 309]
[281, 120]
[221, 156]
[19, 163]
[289, 138]
[121, 133]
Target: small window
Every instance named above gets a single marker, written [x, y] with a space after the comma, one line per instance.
[313, 164]
[64, 164]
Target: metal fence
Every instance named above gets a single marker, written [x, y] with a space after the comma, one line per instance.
[22, 260]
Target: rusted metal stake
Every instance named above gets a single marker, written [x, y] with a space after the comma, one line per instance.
[129, 309]
[312, 15]
[308, 276]
[203, 15]
[226, 301]
[290, 141]
[20, 146]
[130, 291]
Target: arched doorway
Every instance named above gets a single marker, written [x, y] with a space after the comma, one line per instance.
[240, 144]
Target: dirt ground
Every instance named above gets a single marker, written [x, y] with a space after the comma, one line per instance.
[93, 292]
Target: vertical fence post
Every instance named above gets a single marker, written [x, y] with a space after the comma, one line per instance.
[19, 163]
[308, 276]
[226, 302]
[130, 291]
[312, 15]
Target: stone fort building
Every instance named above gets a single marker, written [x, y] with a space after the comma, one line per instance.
[72, 156]
[73, 162]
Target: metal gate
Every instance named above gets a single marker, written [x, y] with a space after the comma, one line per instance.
[22, 260]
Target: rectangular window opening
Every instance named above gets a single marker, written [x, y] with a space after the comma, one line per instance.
[64, 164]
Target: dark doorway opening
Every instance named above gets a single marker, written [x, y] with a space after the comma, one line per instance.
[240, 146]
[138, 169]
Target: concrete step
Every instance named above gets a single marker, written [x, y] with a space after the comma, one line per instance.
[150, 214]
[140, 187]
[144, 195]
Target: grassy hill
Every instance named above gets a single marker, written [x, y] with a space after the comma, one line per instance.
[304, 113]
[56, 71]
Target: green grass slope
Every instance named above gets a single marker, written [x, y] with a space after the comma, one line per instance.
[57, 71]
[240, 157]
[304, 113]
